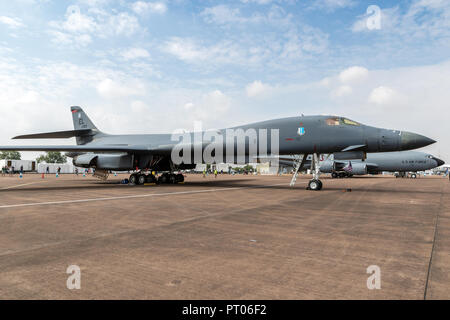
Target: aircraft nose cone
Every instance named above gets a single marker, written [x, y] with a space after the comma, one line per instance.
[411, 140]
[439, 162]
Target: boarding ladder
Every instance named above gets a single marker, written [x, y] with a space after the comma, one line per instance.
[298, 163]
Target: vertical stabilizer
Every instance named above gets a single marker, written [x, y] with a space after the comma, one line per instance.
[82, 122]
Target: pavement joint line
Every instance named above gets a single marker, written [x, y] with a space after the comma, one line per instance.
[133, 196]
[432, 247]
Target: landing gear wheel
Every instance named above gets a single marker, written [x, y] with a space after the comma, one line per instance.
[413, 176]
[133, 179]
[334, 175]
[150, 178]
[141, 179]
[180, 178]
[315, 185]
[172, 179]
[163, 178]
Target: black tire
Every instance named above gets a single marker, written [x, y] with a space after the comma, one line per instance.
[315, 185]
[150, 178]
[133, 179]
[141, 179]
[413, 176]
[180, 178]
[163, 179]
[334, 175]
[172, 179]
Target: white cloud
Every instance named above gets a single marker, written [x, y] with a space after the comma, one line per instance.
[111, 89]
[257, 88]
[189, 106]
[382, 95]
[77, 22]
[139, 107]
[135, 53]
[11, 22]
[190, 51]
[252, 50]
[223, 14]
[142, 7]
[342, 91]
[80, 27]
[262, 2]
[353, 74]
[123, 24]
[331, 5]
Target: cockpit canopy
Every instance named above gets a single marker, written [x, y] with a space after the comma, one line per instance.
[339, 121]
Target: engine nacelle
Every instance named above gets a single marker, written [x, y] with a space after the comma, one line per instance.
[104, 161]
[359, 168]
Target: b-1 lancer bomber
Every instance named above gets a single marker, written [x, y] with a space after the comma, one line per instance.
[306, 135]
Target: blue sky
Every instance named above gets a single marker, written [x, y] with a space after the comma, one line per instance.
[155, 66]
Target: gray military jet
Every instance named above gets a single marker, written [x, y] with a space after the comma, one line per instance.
[315, 135]
[375, 163]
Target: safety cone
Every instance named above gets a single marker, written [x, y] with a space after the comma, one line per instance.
[43, 176]
[57, 175]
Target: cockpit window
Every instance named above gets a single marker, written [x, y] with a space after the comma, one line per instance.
[336, 121]
[332, 121]
[350, 122]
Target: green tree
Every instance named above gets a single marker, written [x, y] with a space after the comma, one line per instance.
[10, 155]
[52, 157]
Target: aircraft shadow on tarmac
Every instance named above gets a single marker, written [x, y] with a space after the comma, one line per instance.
[213, 184]
[109, 185]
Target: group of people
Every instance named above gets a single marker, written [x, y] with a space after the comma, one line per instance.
[205, 172]
[10, 170]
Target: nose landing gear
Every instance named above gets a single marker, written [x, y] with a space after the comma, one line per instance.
[315, 184]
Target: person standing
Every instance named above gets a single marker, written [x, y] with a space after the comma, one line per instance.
[215, 173]
[3, 171]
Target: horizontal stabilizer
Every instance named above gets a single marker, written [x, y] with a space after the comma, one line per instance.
[58, 134]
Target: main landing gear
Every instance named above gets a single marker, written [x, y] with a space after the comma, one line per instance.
[140, 178]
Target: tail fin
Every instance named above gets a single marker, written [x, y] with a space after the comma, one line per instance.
[81, 120]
